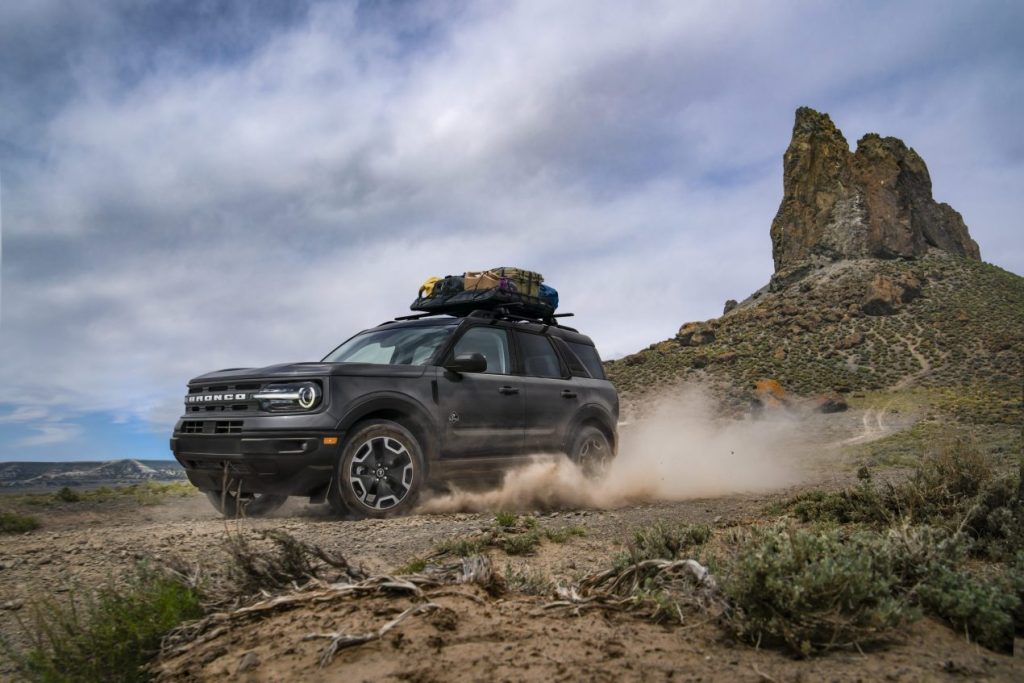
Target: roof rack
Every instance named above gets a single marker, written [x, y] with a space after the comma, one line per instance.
[497, 313]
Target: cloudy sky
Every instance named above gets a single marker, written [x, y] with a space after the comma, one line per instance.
[189, 185]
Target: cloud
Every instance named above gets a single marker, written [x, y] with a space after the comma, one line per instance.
[50, 433]
[23, 414]
[253, 185]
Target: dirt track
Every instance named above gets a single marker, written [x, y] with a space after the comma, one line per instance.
[480, 638]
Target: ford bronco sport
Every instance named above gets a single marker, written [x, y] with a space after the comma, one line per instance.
[422, 400]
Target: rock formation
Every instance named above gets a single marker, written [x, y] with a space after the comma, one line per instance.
[874, 202]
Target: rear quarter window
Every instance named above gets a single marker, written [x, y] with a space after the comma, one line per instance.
[576, 366]
[588, 356]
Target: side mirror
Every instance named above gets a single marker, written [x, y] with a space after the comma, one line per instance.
[467, 362]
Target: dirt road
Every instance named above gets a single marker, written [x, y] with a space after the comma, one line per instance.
[469, 635]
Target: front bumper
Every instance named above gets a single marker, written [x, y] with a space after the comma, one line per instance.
[285, 464]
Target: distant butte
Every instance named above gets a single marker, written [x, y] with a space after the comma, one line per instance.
[875, 202]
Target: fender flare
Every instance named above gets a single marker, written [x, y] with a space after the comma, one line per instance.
[589, 414]
[394, 402]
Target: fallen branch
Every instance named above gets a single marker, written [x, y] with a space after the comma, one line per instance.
[187, 636]
[631, 586]
[340, 641]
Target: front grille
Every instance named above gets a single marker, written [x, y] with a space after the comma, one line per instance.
[240, 388]
[227, 427]
[192, 427]
[213, 388]
[212, 426]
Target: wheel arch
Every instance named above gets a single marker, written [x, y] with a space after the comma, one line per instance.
[402, 410]
[595, 416]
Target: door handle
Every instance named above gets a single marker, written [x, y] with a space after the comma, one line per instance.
[568, 394]
[508, 390]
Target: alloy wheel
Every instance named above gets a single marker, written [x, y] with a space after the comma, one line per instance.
[381, 474]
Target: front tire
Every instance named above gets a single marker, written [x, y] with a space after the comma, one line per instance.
[591, 451]
[380, 472]
[233, 504]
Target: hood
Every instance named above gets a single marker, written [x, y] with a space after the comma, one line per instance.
[314, 369]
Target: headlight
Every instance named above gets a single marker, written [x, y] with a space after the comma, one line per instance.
[283, 397]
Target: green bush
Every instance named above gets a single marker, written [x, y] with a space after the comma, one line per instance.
[13, 523]
[413, 566]
[463, 547]
[111, 636]
[811, 591]
[955, 487]
[520, 544]
[67, 495]
[931, 569]
[861, 504]
[981, 610]
[506, 520]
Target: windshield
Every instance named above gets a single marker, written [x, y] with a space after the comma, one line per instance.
[396, 346]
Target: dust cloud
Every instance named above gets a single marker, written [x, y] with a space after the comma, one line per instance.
[679, 451]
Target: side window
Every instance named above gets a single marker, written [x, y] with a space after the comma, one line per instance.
[489, 341]
[576, 366]
[588, 354]
[539, 358]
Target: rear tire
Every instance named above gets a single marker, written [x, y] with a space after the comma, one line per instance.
[380, 472]
[233, 505]
[591, 451]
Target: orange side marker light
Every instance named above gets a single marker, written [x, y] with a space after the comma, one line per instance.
[330, 441]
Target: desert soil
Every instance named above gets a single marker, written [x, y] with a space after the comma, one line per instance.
[470, 636]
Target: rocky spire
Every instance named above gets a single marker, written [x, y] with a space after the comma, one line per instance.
[875, 202]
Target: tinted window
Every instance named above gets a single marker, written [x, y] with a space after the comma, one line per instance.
[539, 358]
[394, 346]
[588, 354]
[576, 366]
[489, 341]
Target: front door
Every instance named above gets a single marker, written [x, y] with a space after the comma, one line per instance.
[483, 413]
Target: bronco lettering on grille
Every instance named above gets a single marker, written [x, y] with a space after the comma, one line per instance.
[208, 398]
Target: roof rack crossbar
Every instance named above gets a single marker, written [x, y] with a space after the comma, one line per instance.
[417, 316]
[496, 313]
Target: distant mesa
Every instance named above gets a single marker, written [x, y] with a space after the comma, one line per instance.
[56, 474]
[875, 202]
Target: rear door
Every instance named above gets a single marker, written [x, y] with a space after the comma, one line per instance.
[482, 413]
[551, 399]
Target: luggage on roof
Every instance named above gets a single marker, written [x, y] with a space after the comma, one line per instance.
[521, 291]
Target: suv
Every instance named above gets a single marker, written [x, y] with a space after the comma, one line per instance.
[417, 401]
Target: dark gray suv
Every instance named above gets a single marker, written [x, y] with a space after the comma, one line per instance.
[425, 400]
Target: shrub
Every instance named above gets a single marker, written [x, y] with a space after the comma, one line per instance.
[67, 495]
[810, 591]
[520, 544]
[930, 563]
[413, 566]
[13, 523]
[463, 547]
[527, 580]
[955, 487]
[110, 636]
[861, 504]
[506, 520]
[981, 610]
[815, 589]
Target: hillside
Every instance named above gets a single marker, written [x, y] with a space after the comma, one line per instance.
[957, 340]
[87, 473]
[868, 295]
